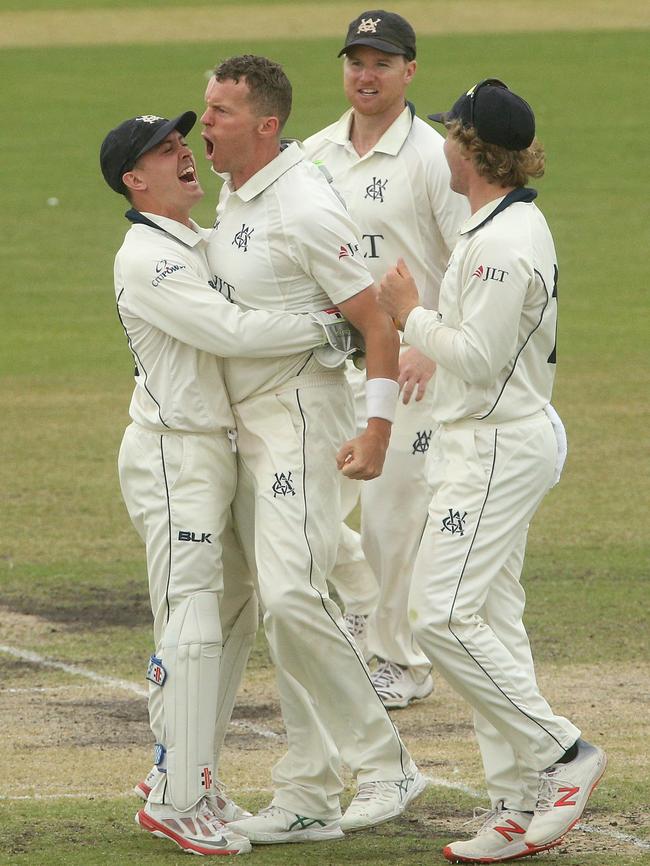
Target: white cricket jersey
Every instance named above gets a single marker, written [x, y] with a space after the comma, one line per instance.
[283, 241]
[177, 323]
[398, 194]
[493, 336]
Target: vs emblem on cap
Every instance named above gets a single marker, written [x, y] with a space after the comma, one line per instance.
[368, 25]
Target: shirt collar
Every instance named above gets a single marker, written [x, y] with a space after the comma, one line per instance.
[188, 236]
[492, 208]
[289, 156]
[391, 141]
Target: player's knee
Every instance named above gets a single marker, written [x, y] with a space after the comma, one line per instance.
[194, 620]
[287, 604]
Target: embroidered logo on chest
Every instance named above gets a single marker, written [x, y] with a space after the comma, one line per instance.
[242, 238]
[375, 190]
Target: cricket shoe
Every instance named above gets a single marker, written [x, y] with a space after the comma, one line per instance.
[396, 686]
[357, 626]
[197, 831]
[563, 793]
[275, 824]
[377, 802]
[222, 805]
[500, 838]
[143, 788]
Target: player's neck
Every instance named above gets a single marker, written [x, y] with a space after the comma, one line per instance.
[366, 130]
[263, 156]
[481, 193]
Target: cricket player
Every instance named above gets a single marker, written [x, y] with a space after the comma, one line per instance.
[497, 452]
[389, 166]
[283, 241]
[178, 472]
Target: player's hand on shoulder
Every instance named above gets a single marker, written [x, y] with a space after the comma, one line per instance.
[415, 371]
[362, 458]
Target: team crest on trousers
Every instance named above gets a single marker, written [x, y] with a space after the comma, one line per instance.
[454, 523]
[421, 442]
[242, 238]
[375, 190]
[283, 485]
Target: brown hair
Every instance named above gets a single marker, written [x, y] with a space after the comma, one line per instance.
[498, 165]
[270, 89]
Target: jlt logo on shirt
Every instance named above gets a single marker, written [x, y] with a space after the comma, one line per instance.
[490, 273]
[348, 250]
[224, 288]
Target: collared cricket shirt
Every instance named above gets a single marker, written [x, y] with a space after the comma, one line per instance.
[399, 195]
[283, 241]
[493, 336]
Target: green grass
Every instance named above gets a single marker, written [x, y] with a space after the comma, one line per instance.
[66, 545]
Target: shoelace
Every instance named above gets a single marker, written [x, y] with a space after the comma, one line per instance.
[206, 814]
[386, 675]
[355, 623]
[549, 783]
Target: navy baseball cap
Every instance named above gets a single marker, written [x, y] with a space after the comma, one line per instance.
[385, 31]
[125, 144]
[497, 114]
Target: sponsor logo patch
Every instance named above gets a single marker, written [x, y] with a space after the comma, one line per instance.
[348, 250]
[164, 269]
[485, 273]
[156, 673]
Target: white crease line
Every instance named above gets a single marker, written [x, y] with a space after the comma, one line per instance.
[27, 655]
[35, 658]
[142, 692]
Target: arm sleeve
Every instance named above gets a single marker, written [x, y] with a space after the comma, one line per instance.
[182, 304]
[489, 308]
[325, 243]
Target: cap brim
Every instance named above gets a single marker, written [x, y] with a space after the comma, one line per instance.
[183, 123]
[379, 44]
[441, 117]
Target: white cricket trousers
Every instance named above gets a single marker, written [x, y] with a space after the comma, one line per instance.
[290, 487]
[178, 489]
[393, 516]
[466, 602]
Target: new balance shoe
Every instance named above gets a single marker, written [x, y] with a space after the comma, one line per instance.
[563, 793]
[377, 802]
[357, 626]
[275, 824]
[500, 838]
[198, 831]
[397, 687]
[143, 788]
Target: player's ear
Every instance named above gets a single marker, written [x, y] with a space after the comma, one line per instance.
[411, 67]
[134, 180]
[269, 126]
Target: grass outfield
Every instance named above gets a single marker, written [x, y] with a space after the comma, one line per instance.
[71, 568]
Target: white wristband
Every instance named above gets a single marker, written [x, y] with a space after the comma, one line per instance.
[381, 398]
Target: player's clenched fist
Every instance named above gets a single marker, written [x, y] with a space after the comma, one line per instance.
[363, 457]
[398, 294]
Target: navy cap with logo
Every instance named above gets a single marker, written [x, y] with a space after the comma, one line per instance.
[497, 114]
[125, 144]
[385, 31]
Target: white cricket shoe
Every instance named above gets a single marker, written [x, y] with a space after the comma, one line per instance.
[197, 831]
[224, 808]
[396, 686]
[357, 626]
[500, 838]
[275, 824]
[143, 788]
[563, 793]
[377, 802]
[222, 805]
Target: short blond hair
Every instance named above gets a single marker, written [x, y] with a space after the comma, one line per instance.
[496, 164]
